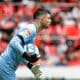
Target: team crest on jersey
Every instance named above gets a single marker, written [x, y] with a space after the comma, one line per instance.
[25, 33]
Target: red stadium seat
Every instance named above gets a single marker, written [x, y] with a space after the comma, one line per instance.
[51, 50]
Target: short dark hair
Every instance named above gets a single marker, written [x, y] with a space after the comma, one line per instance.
[40, 12]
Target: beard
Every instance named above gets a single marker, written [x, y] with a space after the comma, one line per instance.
[43, 25]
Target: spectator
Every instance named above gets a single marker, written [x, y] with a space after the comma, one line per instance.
[8, 8]
[76, 10]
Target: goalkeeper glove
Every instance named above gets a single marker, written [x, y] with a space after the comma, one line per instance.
[36, 71]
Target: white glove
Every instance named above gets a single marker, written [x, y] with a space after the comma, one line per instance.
[36, 71]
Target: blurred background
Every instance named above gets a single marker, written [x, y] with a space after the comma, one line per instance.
[59, 45]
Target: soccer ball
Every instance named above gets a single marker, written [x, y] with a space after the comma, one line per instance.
[31, 49]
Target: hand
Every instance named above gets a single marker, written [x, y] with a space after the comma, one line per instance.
[36, 71]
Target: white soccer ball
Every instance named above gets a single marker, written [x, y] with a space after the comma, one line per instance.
[31, 49]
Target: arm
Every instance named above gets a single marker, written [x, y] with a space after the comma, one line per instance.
[18, 41]
[16, 44]
[35, 68]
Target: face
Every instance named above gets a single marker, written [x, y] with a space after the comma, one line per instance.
[45, 21]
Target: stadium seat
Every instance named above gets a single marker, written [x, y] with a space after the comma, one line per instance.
[51, 49]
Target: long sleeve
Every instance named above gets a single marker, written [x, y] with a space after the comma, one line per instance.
[16, 44]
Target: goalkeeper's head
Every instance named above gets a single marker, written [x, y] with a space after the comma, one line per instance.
[42, 18]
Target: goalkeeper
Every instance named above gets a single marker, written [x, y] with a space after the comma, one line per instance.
[15, 53]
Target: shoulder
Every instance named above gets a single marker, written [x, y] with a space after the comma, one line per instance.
[30, 27]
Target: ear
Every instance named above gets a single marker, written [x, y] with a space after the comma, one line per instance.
[41, 19]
